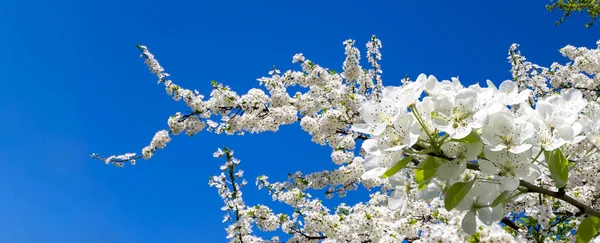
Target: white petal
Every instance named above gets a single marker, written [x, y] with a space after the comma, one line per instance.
[497, 148]
[378, 129]
[485, 215]
[520, 148]
[371, 162]
[431, 191]
[534, 173]
[489, 135]
[575, 98]
[519, 98]
[508, 87]
[398, 180]
[566, 133]
[413, 134]
[490, 84]
[398, 199]
[465, 99]
[370, 113]
[577, 139]
[555, 143]
[371, 146]
[509, 183]
[432, 85]
[473, 150]
[527, 130]
[544, 110]
[469, 224]
[451, 170]
[391, 93]
[577, 127]
[497, 212]
[480, 119]
[373, 173]
[362, 128]
[487, 167]
[450, 148]
[495, 107]
[459, 132]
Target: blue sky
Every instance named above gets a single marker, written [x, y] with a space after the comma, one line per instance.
[73, 84]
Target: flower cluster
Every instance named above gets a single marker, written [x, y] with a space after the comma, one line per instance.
[450, 161]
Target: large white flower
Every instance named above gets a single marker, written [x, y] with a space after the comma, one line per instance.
[407, 94]
[563, 109]
[555, 120]
[508, 93]
[477, 202]
[504, 132]
[550, 138]
[377, 116]
[510, 167]
[446, 87]
[456, 115]
[404, 133]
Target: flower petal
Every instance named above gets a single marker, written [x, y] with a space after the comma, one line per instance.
[398, 199]
[509, 183]
[451, 169]
[487, 167]
[371, 146]
[469, 224]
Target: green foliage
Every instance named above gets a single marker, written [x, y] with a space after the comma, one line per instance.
[397, 167]
[502, 198]
[427, 170]
[558, 166]
[588, 229]
[474, 238]
[456, 193]
[592, 7]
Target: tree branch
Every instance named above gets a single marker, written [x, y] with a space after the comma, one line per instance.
[308, 236]
[583, 209]
[510, 223]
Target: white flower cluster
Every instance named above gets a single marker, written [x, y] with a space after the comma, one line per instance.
[451, 161]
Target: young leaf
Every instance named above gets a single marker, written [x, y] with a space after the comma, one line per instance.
[474, 238]
[427, 170]
[558, 166]
[397, 167]
[501, 198]
[588, 229]
[456, 193]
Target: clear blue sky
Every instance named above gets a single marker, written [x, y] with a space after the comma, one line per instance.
[73, 84]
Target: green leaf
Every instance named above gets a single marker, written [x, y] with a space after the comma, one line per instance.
[473, 137]
[588, 229]
[558, 166]
[501, 198]
[427, 170]
[456, 193]
[474, 238]
[397, 167]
